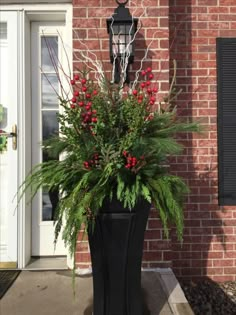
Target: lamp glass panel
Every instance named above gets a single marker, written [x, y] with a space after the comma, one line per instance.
[129, 29]
[115, 44]
[122, 29]
[121, 36]
[128, 40]
[114, 29]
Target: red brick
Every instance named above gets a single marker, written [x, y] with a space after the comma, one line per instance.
[223, 263]
[215, 255]
[227, 3]
[157, 245]
[222, 278]
[152, 256]
[152, 234]
[230, 271]
[215, 271]
[85, 3]
[82, 247]
[208, 2]
[82, 257]
[218, 9]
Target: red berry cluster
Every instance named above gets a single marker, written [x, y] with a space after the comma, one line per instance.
[131, 161]
[146, 88]
[93, 162]
[83, 98]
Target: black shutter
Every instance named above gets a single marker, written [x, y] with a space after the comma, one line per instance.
[226, 86]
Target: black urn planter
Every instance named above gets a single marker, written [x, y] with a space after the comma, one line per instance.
[116, 246]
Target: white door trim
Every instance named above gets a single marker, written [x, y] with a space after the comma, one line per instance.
[8, 160]
[26, 14]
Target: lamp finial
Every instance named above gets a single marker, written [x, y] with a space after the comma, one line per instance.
[122, 3]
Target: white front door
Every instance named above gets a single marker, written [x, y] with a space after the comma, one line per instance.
[9, 98]
[46, 50]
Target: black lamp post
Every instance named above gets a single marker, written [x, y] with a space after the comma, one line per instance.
[121, 28]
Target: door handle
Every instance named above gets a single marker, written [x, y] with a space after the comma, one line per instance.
[12, 134]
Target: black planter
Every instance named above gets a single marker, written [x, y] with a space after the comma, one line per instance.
[116, 246]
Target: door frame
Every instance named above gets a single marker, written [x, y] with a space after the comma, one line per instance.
[27, 14]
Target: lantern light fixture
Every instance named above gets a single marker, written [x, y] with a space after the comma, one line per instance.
[121, 28]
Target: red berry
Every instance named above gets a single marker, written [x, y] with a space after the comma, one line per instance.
[76, 93]
[134, 161]
[94, 112]
[151, 76]
[83, 81]
[81, 104]
[88, 95]
[125, 153]
[86, 164]
[95, 92]
[135, 92]
[155, 90]
[151, 103]
[94, 119]
[89, 113]
[76, 77]
[139, 101]
[150, 117]
[148, 83]
[72, 82]
[143, 72]
[72, 106]
[87, 107]
[149, 69]
[84, 89]
[152, 99]
[149, 90]
[140, 97]
[128, 166]
[73, 100]
[143, 85]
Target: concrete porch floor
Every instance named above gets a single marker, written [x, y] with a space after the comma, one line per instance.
[50, 293]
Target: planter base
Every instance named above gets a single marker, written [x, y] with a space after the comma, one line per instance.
[116, 246]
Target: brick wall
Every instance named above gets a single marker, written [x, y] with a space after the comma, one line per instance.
[209, 246]
[89, 25]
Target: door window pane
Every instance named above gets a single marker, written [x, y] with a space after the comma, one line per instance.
[49, 91]
[49, 110]
[50, 127]
[50, 124]
[3, 30]
[49, 53]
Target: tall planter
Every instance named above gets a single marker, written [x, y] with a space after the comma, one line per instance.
[116, 246]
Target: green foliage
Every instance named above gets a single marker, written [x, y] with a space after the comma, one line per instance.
[113, 144]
